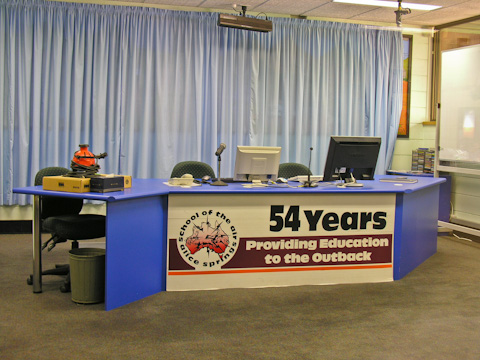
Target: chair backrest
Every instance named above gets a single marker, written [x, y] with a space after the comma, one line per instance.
[288, 170]
[54, 205]
[197, 169]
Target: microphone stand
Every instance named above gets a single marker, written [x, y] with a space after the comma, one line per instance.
[219, 182]
[309, 183]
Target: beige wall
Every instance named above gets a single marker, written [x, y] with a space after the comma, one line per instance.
[17, 212]
[420, 135]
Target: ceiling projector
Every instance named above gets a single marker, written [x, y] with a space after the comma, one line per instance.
[245, 23]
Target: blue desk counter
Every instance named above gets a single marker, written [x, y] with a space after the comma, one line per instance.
[375, 186]
[444, 204]
[142, 188]
[138, 220]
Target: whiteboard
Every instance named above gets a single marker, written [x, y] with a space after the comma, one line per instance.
[459, 138]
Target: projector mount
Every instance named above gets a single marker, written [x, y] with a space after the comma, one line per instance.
[242, 9]
[400, 12]
[243, 21]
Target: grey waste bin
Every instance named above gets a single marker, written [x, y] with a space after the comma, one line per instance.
[87, 275]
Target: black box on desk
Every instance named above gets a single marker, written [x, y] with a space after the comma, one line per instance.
[127, 179]
[107, 184]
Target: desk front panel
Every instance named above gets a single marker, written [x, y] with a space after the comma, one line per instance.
[259, 240]
[135, 249]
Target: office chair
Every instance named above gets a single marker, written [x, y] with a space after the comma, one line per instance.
[61, 217]
[288, 170]
[197, 169]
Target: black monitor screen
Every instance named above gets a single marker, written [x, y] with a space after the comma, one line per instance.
[351, 155]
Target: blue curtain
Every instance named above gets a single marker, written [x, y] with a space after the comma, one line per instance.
[154, 87]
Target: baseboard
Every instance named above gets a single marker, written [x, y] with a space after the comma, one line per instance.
[16, 227]
[463, 222]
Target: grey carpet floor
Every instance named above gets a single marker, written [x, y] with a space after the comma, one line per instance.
[432, 313]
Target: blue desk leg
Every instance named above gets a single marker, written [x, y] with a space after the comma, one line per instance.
[416, 229]
[135, 249]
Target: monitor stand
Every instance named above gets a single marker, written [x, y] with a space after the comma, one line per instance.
[352, 182]
[254, 183]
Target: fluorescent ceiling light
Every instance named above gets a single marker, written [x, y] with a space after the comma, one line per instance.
[392, 4]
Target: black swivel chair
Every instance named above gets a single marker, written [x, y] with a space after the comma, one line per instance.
[288, 170]
[197, 169]
[60, 217]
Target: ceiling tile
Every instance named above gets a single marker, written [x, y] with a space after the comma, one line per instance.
[225, 4]
[290, 7]
[337, 10]
[187, 3]
[452, 10]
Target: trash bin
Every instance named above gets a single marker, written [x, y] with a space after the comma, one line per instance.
[87, 275]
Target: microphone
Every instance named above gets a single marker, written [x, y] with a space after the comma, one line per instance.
[220, 149]
[308, 183]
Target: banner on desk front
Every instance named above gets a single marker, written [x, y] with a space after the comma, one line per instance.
[238, 240]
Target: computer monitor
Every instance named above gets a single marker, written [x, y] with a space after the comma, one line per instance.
[257, 163]
[351, 155]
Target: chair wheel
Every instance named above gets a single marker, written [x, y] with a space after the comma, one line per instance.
[65, 288]
[30, 280]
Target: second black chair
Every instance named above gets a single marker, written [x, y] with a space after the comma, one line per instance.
[197, 169]
[288, 170]
[61, 217]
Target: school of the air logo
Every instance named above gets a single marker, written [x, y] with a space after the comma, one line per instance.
[207, 241]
